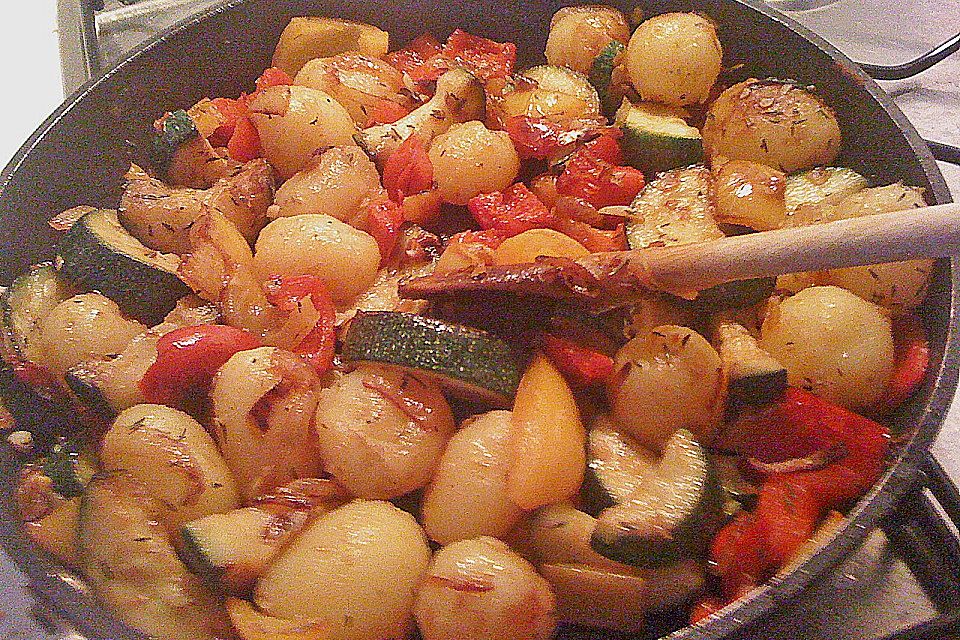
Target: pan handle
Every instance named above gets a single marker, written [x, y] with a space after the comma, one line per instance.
[924, 531]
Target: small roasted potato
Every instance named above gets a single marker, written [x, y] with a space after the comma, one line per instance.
[833, 344]
[479, 589]
[308, 37]
[295, 122]
[335, 183]
[579, 34]
[263, 402]
[174, 458]
[749, 194]
[81, 328]
[468, 494]
[345, 258]
[674, 58]
[356, 81]
[354, 570]
[668, 379]
[772, 122]
[470, 159]
[381, 431]
[529, 245]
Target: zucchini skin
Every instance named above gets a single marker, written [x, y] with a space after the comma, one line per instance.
[84, 386]
[734, 295]
[462, 354]
[652, 151]
[601, 75]
[140, 289]
[177, 129]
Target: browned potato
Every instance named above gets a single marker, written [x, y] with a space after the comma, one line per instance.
[356, 81]
[579, 34]
[772, 122]
[749, 194]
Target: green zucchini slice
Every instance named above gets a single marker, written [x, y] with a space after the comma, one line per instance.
[617, 465]
[821, 184]
[98, 254]
[674, 209]
[26, 302]
[68, 471]
[566, 81]
[601, 76]
[656, 138]
[176, 130]
[754, 377]
[671, 517]
[738, 492]
[469, 363]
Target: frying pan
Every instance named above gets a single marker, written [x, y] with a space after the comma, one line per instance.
[80, 153]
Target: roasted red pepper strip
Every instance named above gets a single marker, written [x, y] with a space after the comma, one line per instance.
[581, 366]
[789, 510]
[911, 360]
[385, 111]
[737, 553]
[489, 237]
[188, 357]
[412, 56]
[230, 112]
[538, 138]
[594, 174]
[510, 212]
[272, 77]
[484, 58]
[244, 144]
[237, 131]
[408, 171]
[384, 220]
[319, 346]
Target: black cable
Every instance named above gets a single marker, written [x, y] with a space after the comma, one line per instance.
[944, 152]
[912, 68]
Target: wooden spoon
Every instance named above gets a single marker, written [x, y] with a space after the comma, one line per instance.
[607, 280]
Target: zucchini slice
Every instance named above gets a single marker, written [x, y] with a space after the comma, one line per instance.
[26, 302]
[67, 469]
[617, 465]
[734, 295]
[566, 81]
[671, 517]
[656, 138]
[738, 492]
[469, 363]
[98, 254]
[175, 130]
[674, 209]
[754, 377]
[826, 185]
[601, 76]
[128, 559]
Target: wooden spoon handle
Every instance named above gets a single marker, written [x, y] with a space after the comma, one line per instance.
[929, 232]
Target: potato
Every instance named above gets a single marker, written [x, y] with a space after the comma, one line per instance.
[832, 343]
[674, 58]
[468, 494]
[579, 34]
[479, 589]
[547, 438]
[668, 379]
[84, 327]
[356, 81]
[749, 194]
[295, 122]
[345, 258]
[772, 122]
[308, 37]
[381, 431]
[263, 402]
[355, 569]
[470, 159]
[337, 183]
[176, 460]
[527, 246]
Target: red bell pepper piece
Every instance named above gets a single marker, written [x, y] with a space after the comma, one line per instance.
[230, 111]
[706, 607]
[384, 220]
[511, 212]
[244, 144]
[484, 58]
[319, 346]
[237, 131]
[737, 552]
[594, 174]
[911, 360]
[532, 137]
[789, 510]
[272, 77]
[412, 56]
[384, 111]
[187, 359]
[489, 237]
[581, 366]
[408, 171]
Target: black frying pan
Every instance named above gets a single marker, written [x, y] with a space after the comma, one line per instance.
[79, 155]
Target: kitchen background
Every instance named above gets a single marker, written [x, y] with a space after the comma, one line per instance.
[872, 594]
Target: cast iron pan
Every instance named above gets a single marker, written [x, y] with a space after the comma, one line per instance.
[79, 155]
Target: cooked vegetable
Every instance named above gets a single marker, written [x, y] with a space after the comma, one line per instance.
[264, 402]
[595, 174]
[674, 58]
[99, 254]
[825, 532]
[688, 218]
[668, 518]
[656, 138]
[911, 359]
[295, 122]
[581, 366]
[309, 37]
[527, 246]
[175, 460]
[668, 379]
[328, 574]
[821, 186]
[467, 362]
[602, 76]
[616, 466]
[361, 83]
[184, 156]
[477, 589]
[57, 533]
[468, 494]
[833, 344]
[563, 80]
[469, 159]
[510, 212]
[381, 431]
[578, 35]
[252, 624]
[131, 565]
[69, 473]
[547, 438]
[754, 377]
[24, 305]
[459, 98]
[750, 194]
[772, 122]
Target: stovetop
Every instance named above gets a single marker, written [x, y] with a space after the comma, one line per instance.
[873, 594]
